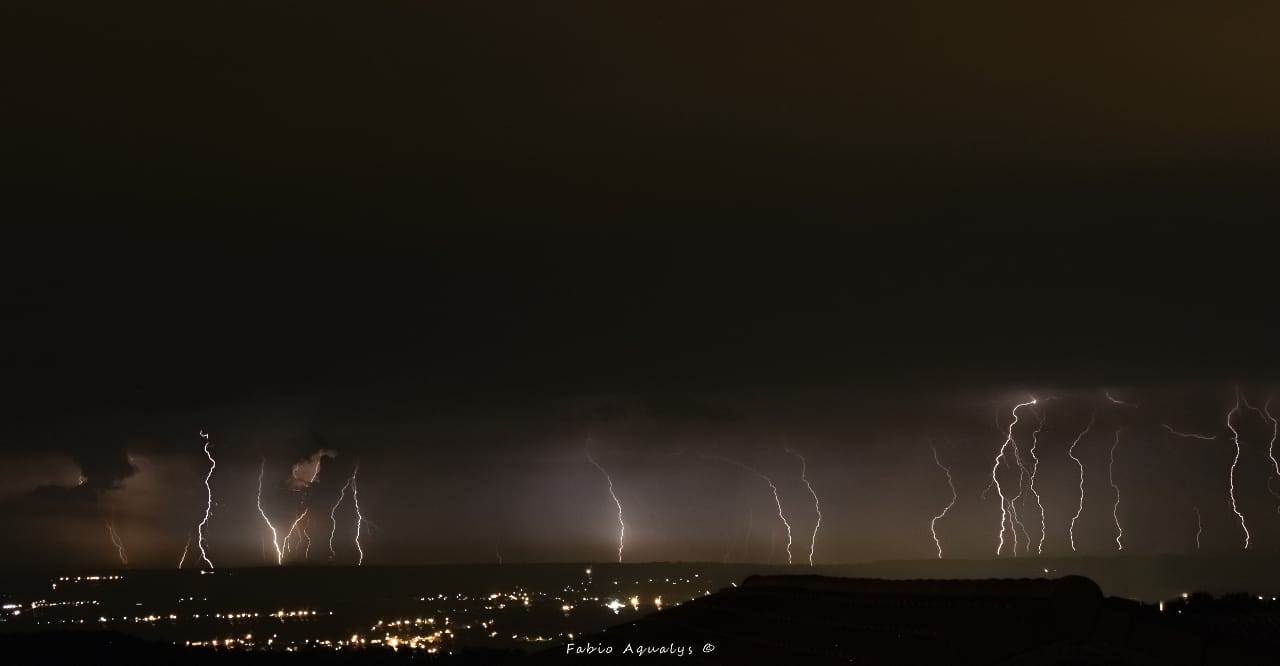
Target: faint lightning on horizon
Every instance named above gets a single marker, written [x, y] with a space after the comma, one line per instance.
[1115, 508]
[1004, 513]
[817, 508]
[776, 500]
[1071, 531]
[275, 537]
[115, 538]
[208, 506]
[933, 523]
[622, 526]
[1231, 477]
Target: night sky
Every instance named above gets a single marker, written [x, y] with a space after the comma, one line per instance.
[451, 243]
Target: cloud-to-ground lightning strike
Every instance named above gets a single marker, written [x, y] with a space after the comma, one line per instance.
[1004, 512]
[1231, 476]
[776, 500]
[1199, 526]
[622, 526]
[275, 537]
[1071, 451]
[355, 501]
[294, 528]
[115, 538]
[1115, 508]
[932, 523]
[817, 508]
[208, 505]
[185, 548]
[1035, 468]
[1271, 450]
[333, 517]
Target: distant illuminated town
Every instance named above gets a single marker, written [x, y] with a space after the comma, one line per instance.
[433, 611]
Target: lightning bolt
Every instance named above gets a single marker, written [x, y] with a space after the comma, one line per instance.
[1231, 477]
[1117, 401]
[1071, 531]
[1115, 508]
[1004, 504]
[333, 517]
[184, 551]
[1186, 435]
[355, 500]
[1199, 526]
[817, 508]
[275, 537]
[115, 538]
[1035, 467]
[208, 506]
[1271, 449]
[294, 529]
[622, 526]
[307, 554]
[776, 500]
[945, 509]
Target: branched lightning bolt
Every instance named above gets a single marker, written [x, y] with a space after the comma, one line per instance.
[275, 537]
[1004, 513]
[355, 501]
[333, 517]
[1231, 477]
[1071, 531]
[952, 485]
[776, 500]
[817, 508]
[294, 529]
[622, 526]
[115, 538]
[208, 506]
[184, 551]
[1035, 467]
[1115, 508]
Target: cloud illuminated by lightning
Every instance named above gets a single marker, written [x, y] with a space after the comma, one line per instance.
[622, 526]
[275, 537]
[817, 508]
[776, 500]
[1071, 531]
[952, 485]
[1004, 514]
[208, 506]
[1115, 508]
[1231, 477]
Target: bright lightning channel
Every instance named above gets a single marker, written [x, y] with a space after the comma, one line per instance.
[355, 501]
[208, 506]
[776, 500]
[275, 537]
[293, 529]
[333, 517]
[1071, 531]
[1035, 467]
[817, 507]
[1231, 477]
[1004, 513]
[1271, 450]
[932, 523]
[1115, 508]
[184, 551]
[622, 526]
